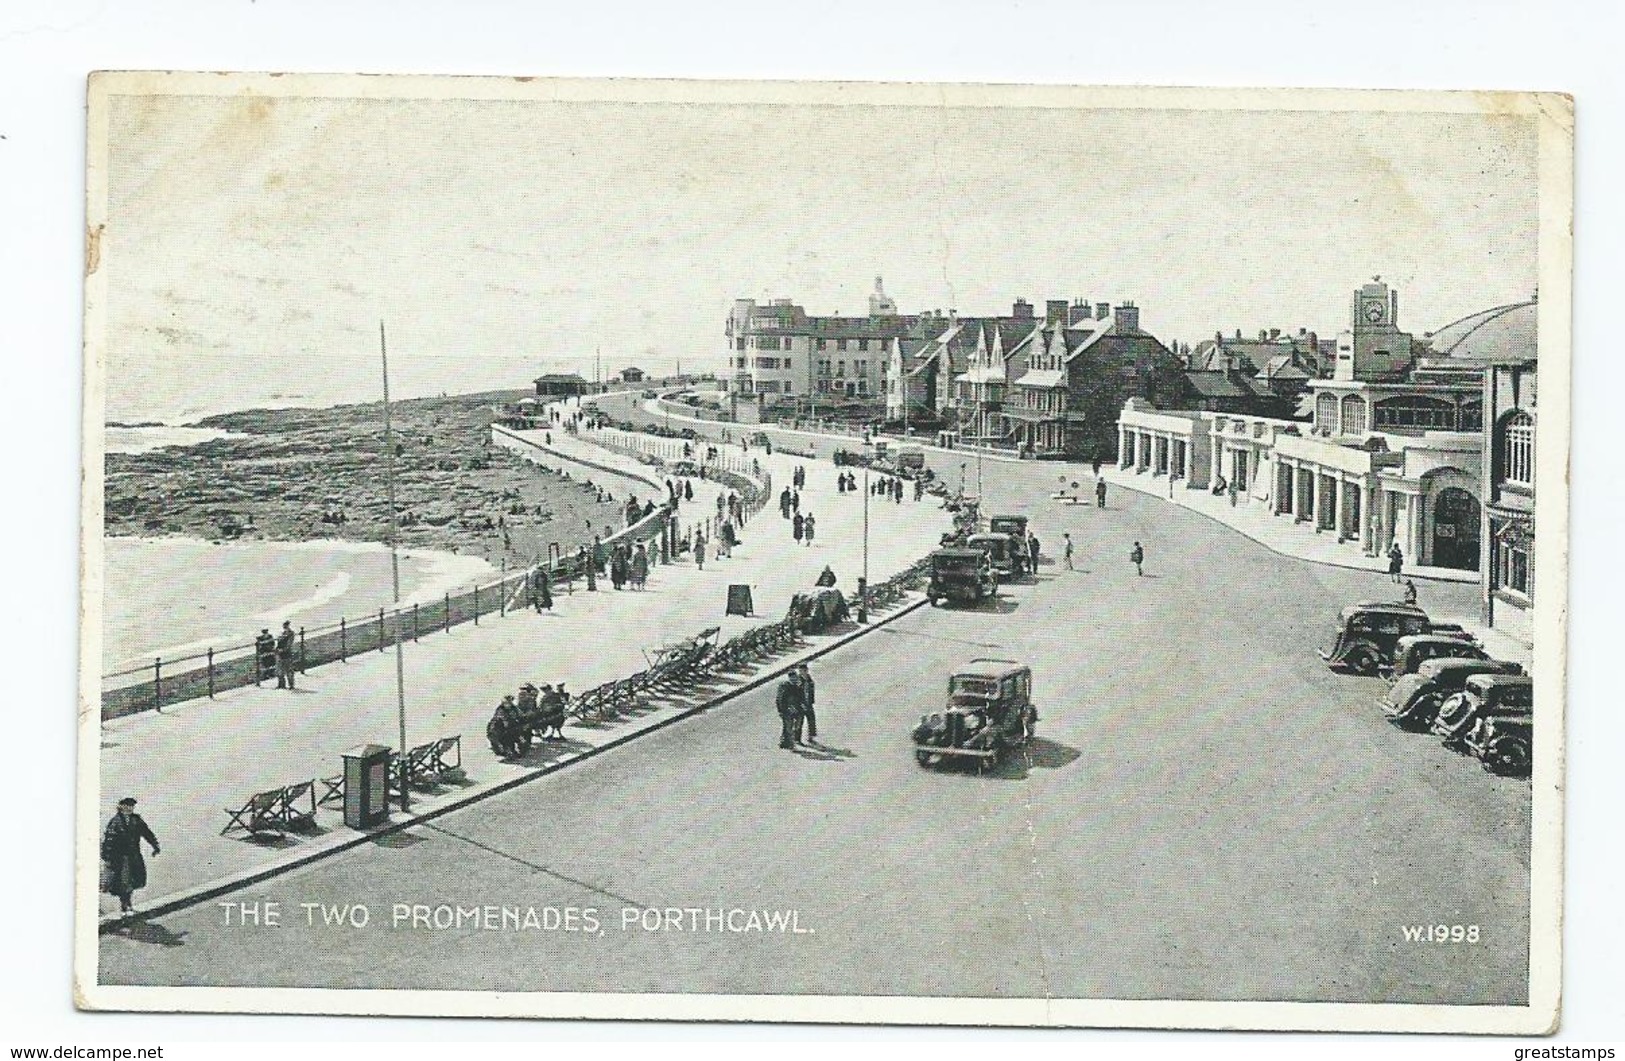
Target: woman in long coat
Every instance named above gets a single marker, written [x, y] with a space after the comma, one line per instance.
[123, 868]
[797, 526]
[640, 567]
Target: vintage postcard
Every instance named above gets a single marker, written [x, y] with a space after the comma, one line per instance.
[936, 554]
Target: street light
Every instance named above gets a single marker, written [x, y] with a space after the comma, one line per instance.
[863, 579]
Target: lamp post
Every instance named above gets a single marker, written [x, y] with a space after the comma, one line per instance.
[863, 579]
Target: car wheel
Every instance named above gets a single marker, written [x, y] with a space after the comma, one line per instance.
[1421, 713]
[1508, 756]
[1361, 660]
[923, 758]
[521, 744]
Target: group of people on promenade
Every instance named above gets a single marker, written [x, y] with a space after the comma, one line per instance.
[275, 655]
[795, 701]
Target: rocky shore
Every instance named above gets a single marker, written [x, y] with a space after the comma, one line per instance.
[307, 474]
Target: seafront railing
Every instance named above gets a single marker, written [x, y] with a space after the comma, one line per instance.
[173, 679]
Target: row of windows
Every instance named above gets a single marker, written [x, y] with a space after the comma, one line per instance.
[773, 362]
[858, 388]
[775, 342]
[1349, 417]
[859, 368]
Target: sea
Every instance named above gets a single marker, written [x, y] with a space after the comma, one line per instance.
[175, 597]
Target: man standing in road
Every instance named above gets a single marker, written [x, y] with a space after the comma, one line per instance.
[284, 656]
[1137, 554]
[809, 696]
[123, 868]
[1100, 492]
[1032, 552]
[788, 701]
[1066, 550]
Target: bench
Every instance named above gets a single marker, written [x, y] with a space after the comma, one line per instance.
[276, 810]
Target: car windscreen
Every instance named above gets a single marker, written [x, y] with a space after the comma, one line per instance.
[981, 688]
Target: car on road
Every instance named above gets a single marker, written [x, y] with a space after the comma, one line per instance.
[1002, 552]
[961, 575]
[1413, 651]
[1493, 718]
[1366, 635]
[1413, 701]
[989, 710]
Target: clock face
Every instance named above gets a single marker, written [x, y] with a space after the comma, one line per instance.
[1375, 311]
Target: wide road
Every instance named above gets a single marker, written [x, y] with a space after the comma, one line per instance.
[1209, 814]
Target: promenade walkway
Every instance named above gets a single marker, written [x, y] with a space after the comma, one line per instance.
[193, 760]
[1512, 639]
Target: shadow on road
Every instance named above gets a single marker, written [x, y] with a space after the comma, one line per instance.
[824, 753]
[140, 930]
[1039, 754]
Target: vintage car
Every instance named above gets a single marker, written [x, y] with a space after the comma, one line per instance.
[1413, 651]
[1016, 528]
[1001, 551]
[1366, 635]
[1503, 737]
[1413, 701]
[1492, 717]
[989, 711]
[688, 469]
[961, 575]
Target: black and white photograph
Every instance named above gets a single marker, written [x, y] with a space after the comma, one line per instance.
[941, 554]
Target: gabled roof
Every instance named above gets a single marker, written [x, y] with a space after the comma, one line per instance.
[1214, 384]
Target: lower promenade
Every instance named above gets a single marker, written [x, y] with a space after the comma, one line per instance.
[189, 763]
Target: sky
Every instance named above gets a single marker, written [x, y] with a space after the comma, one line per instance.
[253, 244]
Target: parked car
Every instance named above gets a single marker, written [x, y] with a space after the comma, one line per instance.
[961, 575]
[1492, 717]
[1413, 651]
[1367, 634]
[1001, 552]
[989, 710]
[1413, 701]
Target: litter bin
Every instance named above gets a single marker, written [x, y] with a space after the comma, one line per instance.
[366, 786]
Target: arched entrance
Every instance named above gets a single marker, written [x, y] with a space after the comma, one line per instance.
[1455, 529]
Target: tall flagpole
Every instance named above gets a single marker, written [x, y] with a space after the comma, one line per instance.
[394, 570]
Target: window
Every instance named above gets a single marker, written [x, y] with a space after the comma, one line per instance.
[840, 344]
[860, 368]
[1517, 446]
[1512, 565]
[840, 368]
[1326, 413]
[822, 343]
[787, 363]
[1354, 415]
[1417, 412]
[863, 344]
[741, 342]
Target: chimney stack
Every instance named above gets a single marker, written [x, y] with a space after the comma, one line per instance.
[1054, 310]
[1078, 312]
[1102, 310]
[1128, 318]
[1275, 333]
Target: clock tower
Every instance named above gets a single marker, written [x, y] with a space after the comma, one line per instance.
[1374, 349]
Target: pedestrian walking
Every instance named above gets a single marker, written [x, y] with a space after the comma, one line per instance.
[1100, 492]
[1032, 552]
[699, 549]
[1067, 549]
[795, 501]
[784, 502]
[840, 482]
[584, 563]
[284, 656]
[897, 491]
[542, 589]
[688, 490]
[1137, 554]
[725, 540]
[1396, 562]
[640, 566]
[798, 526]
[808, 526]
[787, 700]
[809, 697]
[124, 870]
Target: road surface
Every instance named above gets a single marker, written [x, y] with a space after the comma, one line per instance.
[1208, 814]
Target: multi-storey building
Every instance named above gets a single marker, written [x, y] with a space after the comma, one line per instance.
[1395, 451]
[779, 349]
